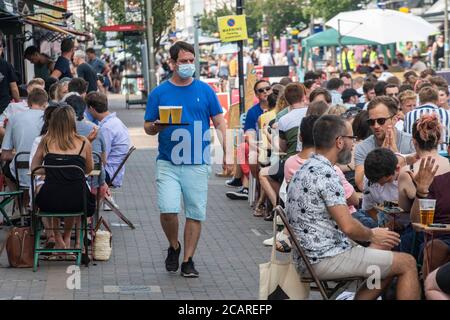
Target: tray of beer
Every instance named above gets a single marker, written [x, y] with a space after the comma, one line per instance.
[171, 124]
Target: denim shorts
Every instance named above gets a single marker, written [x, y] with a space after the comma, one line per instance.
[189, 181]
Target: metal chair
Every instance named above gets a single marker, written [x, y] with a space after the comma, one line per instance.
[329, 289]
[21, 165]
[37, 215]
[110, 184]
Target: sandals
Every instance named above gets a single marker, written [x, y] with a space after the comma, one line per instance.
[259, 211]
[269, 216]
[285, 247]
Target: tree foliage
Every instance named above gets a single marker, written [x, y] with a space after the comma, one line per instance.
[277, 15]
[163, 14]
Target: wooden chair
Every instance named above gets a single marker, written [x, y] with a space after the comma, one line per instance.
[111, 185]
[329, 289]
[37, 215]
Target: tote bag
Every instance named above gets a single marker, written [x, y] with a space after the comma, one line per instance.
[279, 280]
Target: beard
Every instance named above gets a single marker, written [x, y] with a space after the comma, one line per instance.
[345, 156]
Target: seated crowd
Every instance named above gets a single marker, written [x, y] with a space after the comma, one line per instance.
[57, 122]
[335, 154]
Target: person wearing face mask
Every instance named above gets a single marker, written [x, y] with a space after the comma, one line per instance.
[183, 162]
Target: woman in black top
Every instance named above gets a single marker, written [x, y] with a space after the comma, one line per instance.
[62, 190]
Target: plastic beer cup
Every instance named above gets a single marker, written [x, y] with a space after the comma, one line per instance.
[176, 113]
[164, 114]
[427, 207]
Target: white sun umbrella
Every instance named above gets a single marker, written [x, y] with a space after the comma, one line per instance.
[228, 48]
[382, 25]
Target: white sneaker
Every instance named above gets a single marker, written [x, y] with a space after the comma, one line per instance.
[346, 295]
[106, 206]
[281, 236]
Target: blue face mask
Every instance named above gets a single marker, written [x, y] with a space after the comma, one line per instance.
[186, 70]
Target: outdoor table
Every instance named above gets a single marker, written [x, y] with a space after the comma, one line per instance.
[429, 233]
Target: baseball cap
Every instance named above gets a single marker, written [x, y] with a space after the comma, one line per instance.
[349, 93]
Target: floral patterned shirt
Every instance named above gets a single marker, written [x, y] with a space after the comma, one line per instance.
[314, 188]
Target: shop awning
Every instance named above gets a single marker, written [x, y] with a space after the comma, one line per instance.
[58, 29]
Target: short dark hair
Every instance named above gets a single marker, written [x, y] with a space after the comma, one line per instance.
[360, 126]
[294, 93]
[427, 72]
[380, 163]
[367, 86]
[308, 83]
[78, 85]
[180, 46]
[389, 102]
[405, 87]
[30, 51]
[258, 82]
[78, 105]
[317, 92]
[379, 88]
[317, 108]
[285, 81]
[90, 50]
[67, 44]
[326, 129]
[334, 84]
[98, 101]
[306, 130]
[438, 81]
[37, 96]
[272, 100]
[390, 85]
[345, 75]
[311, 75]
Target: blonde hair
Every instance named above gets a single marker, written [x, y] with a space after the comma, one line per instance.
[60, 90]
[337, 110]
[281, 103]
[62, 129]
[407, 95]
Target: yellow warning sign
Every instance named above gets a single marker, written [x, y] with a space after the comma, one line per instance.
[232, 28]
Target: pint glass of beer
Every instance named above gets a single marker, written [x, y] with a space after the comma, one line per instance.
[427, 207]
[176, 112]
[164, 114]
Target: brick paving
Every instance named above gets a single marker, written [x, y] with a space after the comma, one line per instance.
[228, 255]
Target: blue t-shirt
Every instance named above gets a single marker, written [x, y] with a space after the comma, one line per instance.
[185, 144]
[251, 121]
[63, 65]
[98, 65]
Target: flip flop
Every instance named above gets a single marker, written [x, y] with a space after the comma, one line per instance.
[284, 246]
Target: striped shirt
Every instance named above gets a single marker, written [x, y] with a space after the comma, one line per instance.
[444, 116]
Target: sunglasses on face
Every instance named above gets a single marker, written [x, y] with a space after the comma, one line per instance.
[380, 121]
[262, 90]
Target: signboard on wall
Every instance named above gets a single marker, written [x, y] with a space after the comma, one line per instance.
[133, 11]
[50, 15]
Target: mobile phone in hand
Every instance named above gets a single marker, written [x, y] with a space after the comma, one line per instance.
[437, 225]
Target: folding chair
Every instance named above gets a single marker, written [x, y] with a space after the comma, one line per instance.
[21, 165]
[329, 289]
[108, 201]
[37, 215]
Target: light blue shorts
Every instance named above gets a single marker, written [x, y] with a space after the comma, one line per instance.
[191, 181]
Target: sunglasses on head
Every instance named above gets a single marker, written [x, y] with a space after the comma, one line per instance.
[380, 121]
[262, 90]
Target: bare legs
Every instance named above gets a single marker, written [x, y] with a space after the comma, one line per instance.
[408, 288]
[192, 230]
